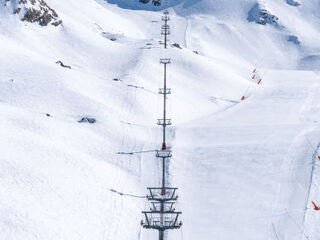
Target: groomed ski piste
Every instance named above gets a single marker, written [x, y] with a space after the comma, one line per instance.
[246, 169]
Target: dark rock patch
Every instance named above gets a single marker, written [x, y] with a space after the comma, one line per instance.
[87, 120]
[294, 39]
[154, 2]
[260, 15]
[34, 11]
[62, 65]
[293, 3]
[176, 45]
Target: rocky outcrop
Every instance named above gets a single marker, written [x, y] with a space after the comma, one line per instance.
[294, 3]
[154, 2]
[294, 39]
[34, 11]
[260, 15]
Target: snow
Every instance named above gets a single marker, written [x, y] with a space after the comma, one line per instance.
[245, 169]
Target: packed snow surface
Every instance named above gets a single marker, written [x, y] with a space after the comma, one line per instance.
[75, 98]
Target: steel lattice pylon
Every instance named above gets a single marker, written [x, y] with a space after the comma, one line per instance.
[162, 215]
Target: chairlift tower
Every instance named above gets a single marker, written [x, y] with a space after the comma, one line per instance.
[165, 29]
[162, 215]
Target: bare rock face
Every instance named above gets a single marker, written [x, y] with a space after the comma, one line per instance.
[294, 3]
[154, 2]
[260, 15]
[34, 11]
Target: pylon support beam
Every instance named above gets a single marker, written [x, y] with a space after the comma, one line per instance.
[161, 221]
[164, 122]
[164, 91]
[165, 60]
[167, 207]
[160, 194]
[163, 153]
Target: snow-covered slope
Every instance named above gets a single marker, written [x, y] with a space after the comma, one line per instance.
[244, 168]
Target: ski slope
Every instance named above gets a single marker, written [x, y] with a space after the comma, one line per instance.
[245, 169]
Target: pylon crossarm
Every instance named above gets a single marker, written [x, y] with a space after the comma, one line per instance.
[162, 194]
[161, 220]
[163, 153]
[166, 206]
[164, 122]
[165, 60]
[165, 18]
[165, 27]
[164, 91]
[161, 212]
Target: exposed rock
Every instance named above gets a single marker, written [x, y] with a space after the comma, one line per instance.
[293, 39]
[87, 120]
[196, 52]
[293, 3]
[154, 2]
[34, 11]
[176, 45]
[112, 36]
[260, 15]
[62, 65]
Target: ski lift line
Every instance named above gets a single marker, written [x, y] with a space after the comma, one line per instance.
[125, 194]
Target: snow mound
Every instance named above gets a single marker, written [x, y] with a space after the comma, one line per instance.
[259, 14]
[34, 11]
[311, 62]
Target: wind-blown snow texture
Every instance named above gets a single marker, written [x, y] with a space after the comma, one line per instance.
[245, 169]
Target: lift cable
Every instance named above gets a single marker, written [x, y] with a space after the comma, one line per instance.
[125, 194]
[131, 153]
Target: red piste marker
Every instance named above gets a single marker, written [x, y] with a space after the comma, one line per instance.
[259, 81]
[243, 98]
[319, 158]
[254, 76]
[315, 206]
[254, 70]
